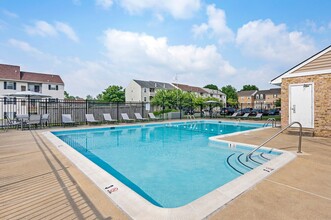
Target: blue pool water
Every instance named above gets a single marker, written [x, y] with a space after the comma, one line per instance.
[170, 165]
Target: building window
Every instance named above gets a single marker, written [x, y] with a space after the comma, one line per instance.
[9, 85]
[145, 90]
[151, 90]
[53, 87]
[34, 88]
[144, 99]
[23, 88]
[257, 96]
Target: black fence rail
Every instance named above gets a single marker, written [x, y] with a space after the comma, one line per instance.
[13, 107]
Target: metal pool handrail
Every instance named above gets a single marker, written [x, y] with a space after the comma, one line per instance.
[275, 135]
[272, 120]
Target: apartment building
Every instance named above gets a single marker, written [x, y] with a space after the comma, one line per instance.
[144, 91]
[246, 98]
[12, 80]
[266, 99]
[203, 92]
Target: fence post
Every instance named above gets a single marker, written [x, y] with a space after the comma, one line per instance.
[180, 109]
[201, 114]
[86, 108]
[117, 111]
[142, 109]
[46, 107]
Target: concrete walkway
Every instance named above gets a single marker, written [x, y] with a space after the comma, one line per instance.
[37, 182]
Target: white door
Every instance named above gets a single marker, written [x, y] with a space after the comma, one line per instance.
[301, 104]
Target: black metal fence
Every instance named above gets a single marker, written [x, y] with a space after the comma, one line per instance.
[11, 107]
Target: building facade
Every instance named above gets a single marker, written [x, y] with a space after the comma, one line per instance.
[202, 92]
[305, 93]
[144, 91]
[266, 99]
[12, 80]
[246, 98]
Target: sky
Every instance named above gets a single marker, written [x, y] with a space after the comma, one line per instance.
[92, 44]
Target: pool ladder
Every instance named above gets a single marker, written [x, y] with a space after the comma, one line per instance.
[248, 156]
[270, 120]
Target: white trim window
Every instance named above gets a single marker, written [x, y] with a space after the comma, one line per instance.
[53, 87]
[9, 85]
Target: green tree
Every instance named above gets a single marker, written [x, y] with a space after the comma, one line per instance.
[67, 96]
[89, 97]
[211, 86]
[278, 102]
[249, 87]
[231, 95]
[112, 94]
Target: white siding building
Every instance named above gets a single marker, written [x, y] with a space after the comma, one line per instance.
[203, 92]
[13, 80]
[144, 91]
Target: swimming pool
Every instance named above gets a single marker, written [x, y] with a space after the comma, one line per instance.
[170, 165]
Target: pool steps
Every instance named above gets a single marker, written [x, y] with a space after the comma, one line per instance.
[236, 161]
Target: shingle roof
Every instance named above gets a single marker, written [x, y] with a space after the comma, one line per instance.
[41, 77]
[9, 72]
[188, 88]
[13, 73]
[154, 84]
[247, 93]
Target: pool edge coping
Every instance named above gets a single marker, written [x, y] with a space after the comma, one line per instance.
[137, 207]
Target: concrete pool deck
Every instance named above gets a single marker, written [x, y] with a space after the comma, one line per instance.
[37, 182]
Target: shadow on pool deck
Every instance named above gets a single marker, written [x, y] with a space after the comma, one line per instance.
[39, 182]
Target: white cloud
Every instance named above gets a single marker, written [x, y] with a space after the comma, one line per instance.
[67, 30]
[265, 40]
[34, 52]
[138, 54]
[178, 9]
[41, 28]
[9, 14]
[216, 25]
[26, 47]
[44, 29]
[105, 4]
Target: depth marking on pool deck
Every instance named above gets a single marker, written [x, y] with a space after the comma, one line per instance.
[301, 190]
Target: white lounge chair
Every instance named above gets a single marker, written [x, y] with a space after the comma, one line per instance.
[139, 118]
[234, 115]
[152, 116]
[107, 118]
[258, 116]
[90, 119]
[126, 118]
[244, 116]
[66, 119]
